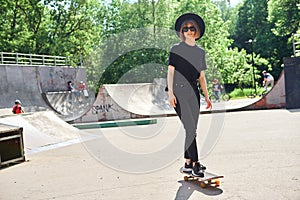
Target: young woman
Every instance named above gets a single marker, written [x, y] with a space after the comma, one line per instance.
[186, 69]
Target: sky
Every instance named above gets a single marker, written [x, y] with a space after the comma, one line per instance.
[234, 2]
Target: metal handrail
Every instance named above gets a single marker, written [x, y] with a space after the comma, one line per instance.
[33, 59]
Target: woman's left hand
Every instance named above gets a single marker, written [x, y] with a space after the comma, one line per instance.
[209, 104]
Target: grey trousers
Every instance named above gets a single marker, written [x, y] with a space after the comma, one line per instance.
[187, 109]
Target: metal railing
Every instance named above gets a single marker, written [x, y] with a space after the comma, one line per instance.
[34, 59]
[296, 44]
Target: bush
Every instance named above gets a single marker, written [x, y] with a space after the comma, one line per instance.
[238, 92]
[245, 92]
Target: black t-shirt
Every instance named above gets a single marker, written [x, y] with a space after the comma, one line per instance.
[188, 61]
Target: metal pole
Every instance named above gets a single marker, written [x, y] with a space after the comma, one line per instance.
[253, 71]
[252, 60]
[80, 60]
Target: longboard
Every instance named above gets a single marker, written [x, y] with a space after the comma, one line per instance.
[209, 179]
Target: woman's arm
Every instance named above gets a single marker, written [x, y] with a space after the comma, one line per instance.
[202, 81]
[170, 78]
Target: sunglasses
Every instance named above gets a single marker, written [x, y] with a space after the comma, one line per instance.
[186, 29]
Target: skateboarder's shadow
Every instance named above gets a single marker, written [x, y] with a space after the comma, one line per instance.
[188, 187]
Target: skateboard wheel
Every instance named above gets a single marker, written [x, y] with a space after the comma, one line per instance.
[202, 184]
[218, 183]
[185, 178]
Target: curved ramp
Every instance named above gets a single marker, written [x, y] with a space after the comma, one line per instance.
[69, 105]
[275, 98]
[141, 99]
[18, 82]
[126, 101]
[33, 86]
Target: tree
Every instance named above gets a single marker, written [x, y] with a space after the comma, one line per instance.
[285, 15]
[55, 27]
[253, 24]
[20, 23]
[137, 36]
[129, 41]
[73, 27]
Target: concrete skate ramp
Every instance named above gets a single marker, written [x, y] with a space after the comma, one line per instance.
[18, 82]
[128, 101]
[273, 99]
[29, 83]
[69, 105]
[42, 129]
[143, 99]
[150, 99]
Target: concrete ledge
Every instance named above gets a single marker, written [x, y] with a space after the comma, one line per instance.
[115, 124]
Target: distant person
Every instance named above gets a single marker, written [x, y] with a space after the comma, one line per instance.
[17, 108]
[82, 87]
[72, 89]
[268, 80]
[217, 88]
[71, 86]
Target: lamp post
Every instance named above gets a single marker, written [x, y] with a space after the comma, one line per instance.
[252, 60]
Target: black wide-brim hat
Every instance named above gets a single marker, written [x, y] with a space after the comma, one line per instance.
[190, 16]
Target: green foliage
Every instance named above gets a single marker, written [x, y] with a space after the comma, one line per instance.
[238, 92]
[285, 15]
[245, 92]
[51, 27]
[255, 22]
[141, 58]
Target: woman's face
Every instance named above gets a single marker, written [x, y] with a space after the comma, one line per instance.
[189, 31]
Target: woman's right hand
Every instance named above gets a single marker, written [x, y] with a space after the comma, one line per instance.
[172, 100]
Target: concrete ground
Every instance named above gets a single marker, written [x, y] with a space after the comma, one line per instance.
[258, 153]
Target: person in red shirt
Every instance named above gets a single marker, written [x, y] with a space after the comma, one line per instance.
[82, 87]
[17, 108]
